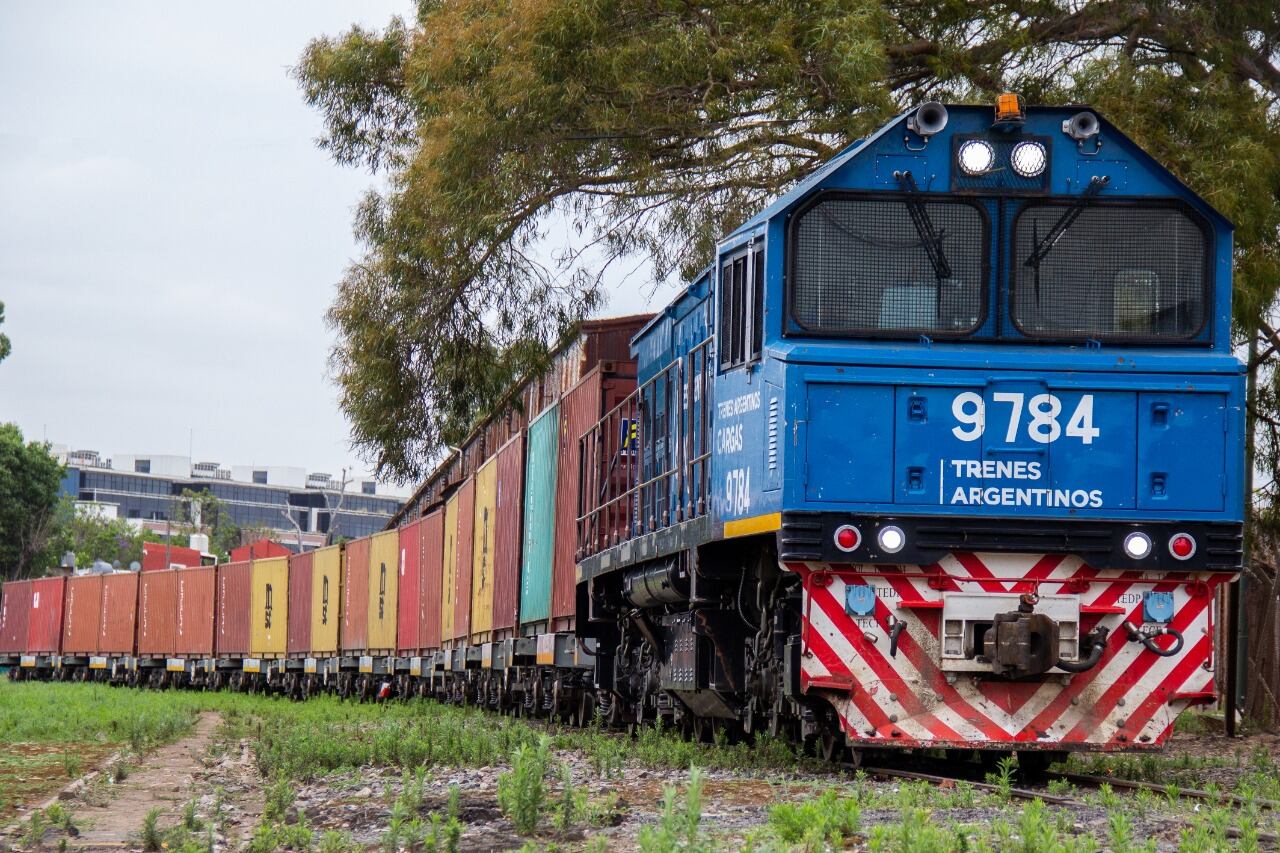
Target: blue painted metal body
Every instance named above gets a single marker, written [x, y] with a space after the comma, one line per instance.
[873, 425]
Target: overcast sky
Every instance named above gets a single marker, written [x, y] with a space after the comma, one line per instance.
[170, 236]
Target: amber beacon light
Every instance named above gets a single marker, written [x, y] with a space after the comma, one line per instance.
[1009, 109]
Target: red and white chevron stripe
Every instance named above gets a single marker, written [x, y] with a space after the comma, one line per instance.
[1128, 701]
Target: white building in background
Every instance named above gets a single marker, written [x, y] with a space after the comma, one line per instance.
[293, 506]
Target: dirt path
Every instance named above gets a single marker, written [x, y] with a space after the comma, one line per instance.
[223, 786]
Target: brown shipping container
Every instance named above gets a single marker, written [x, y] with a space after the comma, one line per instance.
[507, 540]
[116, 627]
[409, 601]
[82, 615]
[580, 409]
[44, 631]
[355, 596]
[235, 592]
[176, 612]
[300, 604]
[462, 561]
[432, 578]
[15, 615]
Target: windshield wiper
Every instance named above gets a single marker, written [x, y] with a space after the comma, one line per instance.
[1045, 246]
[924, 226]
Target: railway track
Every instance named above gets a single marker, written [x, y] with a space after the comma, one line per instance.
[1084, 780]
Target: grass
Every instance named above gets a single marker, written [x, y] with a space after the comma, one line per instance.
[54, 729]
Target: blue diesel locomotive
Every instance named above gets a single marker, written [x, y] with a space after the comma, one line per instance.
[944, 449]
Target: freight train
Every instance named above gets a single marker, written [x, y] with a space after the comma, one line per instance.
[944, 449]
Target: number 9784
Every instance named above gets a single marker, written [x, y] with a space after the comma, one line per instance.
[1039, 417]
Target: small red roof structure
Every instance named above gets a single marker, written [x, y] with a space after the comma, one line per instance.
[157, 556]
[259, 550]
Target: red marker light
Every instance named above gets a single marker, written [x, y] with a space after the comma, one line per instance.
[848, 538]
[1182, 546]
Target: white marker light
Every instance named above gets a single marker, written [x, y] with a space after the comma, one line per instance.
[1137, 545]
[1029, 159]
[976, 157]
[891, 539]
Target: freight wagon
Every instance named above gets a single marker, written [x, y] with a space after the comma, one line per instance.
[944, 449]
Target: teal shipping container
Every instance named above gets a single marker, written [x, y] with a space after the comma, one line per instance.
[539, 517]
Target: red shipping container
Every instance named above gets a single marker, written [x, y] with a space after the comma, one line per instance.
[82, 616]
[409, 596]
[235, 588]
[463, 559]
[299, 640]
[509, 524]
[581, 408]
[44, 630]
[118, 623]
[355, 596]
[432, 537]
[15, 616]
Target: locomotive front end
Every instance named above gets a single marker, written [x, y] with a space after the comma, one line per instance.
[976, 374]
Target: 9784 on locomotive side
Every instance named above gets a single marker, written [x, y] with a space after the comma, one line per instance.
[944, 450]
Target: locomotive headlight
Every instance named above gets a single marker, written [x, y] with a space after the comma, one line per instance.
[1137, 545]
[975, 157]
[891, 539]
[1029, 159]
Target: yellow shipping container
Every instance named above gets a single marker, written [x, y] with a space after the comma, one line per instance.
[384, 577]
[269, 607]
[450, 560]
[482, 551]
[326, 600]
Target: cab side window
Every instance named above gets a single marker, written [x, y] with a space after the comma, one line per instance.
[741, 307]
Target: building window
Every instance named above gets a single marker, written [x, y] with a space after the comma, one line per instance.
[260, 477]
[369, 488]
[142, 466]
[135, 513]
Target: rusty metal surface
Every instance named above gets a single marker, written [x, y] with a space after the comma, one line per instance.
[508, 527]
[15, 614]
[117, 626]
[299, 640]
[355, 595]
[82, 615]
[409, 594]
[235, 590]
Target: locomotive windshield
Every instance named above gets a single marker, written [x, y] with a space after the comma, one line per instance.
[889, 265]
[1117, 271]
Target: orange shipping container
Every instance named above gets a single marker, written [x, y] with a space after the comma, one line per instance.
[299, 641]
[432, 578]
[117, 627]
[235, 591]
[355, 596]
[83, 614]
[384, 562]
[509, 500]
[176, 612]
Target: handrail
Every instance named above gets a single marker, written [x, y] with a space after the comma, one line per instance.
[622, 493]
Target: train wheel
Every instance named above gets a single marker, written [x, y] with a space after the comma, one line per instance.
[831, 745]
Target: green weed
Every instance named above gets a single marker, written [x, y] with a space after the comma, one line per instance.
[149, 836]
[827, 820]
[522, 790]
[679, 828]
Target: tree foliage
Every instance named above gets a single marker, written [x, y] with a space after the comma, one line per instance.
[5, 346]
[93, 536]
[647, 129]
[200, 511]
[29, 482]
